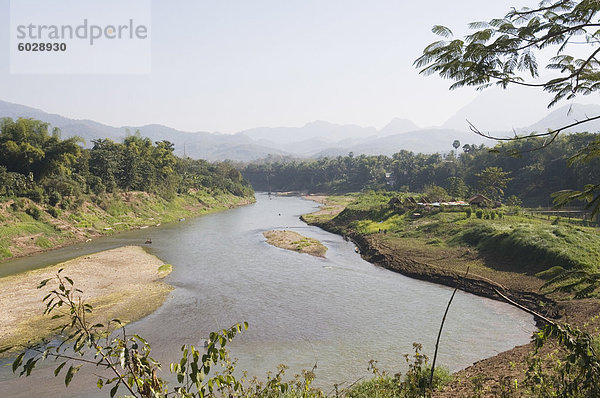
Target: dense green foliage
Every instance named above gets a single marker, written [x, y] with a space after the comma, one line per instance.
[530, 178]
[415, 383]
[46, 169]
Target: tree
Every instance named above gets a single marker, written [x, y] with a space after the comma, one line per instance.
[456, 187]
[492, 181]
[26, 147]
[456, 144]
[436, 193]
[504, 52]
[105, 157]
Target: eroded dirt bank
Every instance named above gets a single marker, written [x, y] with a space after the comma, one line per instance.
[448, 266]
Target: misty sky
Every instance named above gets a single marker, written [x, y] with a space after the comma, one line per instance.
[231, 65]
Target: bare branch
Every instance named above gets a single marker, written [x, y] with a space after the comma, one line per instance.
[524, 137]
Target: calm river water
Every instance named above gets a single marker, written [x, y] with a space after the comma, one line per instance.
[337, 312]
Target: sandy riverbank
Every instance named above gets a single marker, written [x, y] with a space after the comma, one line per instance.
[293, 241]
[122, 283]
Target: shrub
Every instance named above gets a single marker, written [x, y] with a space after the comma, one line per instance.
[34, 212]
[513, 201]
[95, 185]
[17, 204]
[64, 185]
[36, 194]
[54, 212]
[479, 213]
[66, 203]
[468, 211]
[415, 382]
[54, 198]
[78, 203]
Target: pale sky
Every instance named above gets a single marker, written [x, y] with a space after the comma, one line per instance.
[231, 65]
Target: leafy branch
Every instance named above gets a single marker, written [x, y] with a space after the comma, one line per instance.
[503, 52]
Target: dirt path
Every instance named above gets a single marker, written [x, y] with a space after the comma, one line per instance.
[120, 283]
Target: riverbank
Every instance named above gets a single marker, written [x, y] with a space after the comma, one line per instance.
[425, 255]
[123, 283]
[25, 231]
[293, 241]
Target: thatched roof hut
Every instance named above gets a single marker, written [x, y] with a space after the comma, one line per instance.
[480, 200]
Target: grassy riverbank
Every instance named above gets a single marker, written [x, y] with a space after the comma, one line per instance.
[503, 250]
[27, 227]
[122, 283]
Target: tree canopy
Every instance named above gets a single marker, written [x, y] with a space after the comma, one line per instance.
[40, 165]
[533, 177]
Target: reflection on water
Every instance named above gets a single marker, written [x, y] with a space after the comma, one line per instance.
[337, 312]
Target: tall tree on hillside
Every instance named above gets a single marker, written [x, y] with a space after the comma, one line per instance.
[136, 171]
[105, 160]
[492, 181]
[164, 162]
[456, 187]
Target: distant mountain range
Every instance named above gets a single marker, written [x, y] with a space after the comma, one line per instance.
[315, 139]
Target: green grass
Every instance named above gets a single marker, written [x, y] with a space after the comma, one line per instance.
[412, 384]
[43, 242]
[535, 244]
[5, 253]
[539, 243]
[384, 222]
[107, 215]
[165, 269]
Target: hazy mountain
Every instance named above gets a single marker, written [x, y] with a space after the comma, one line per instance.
[314, 139]
[499, 110]
[315, 130]
[566, 115]
[199, 145]
[424, 140]
[397, 126]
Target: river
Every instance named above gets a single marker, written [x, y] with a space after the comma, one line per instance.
[336, 312]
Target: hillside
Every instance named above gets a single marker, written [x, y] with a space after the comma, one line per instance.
[27, 227]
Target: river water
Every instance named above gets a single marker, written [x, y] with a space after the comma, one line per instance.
[336, 312]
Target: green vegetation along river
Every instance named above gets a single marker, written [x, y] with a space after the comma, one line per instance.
[337, 312]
